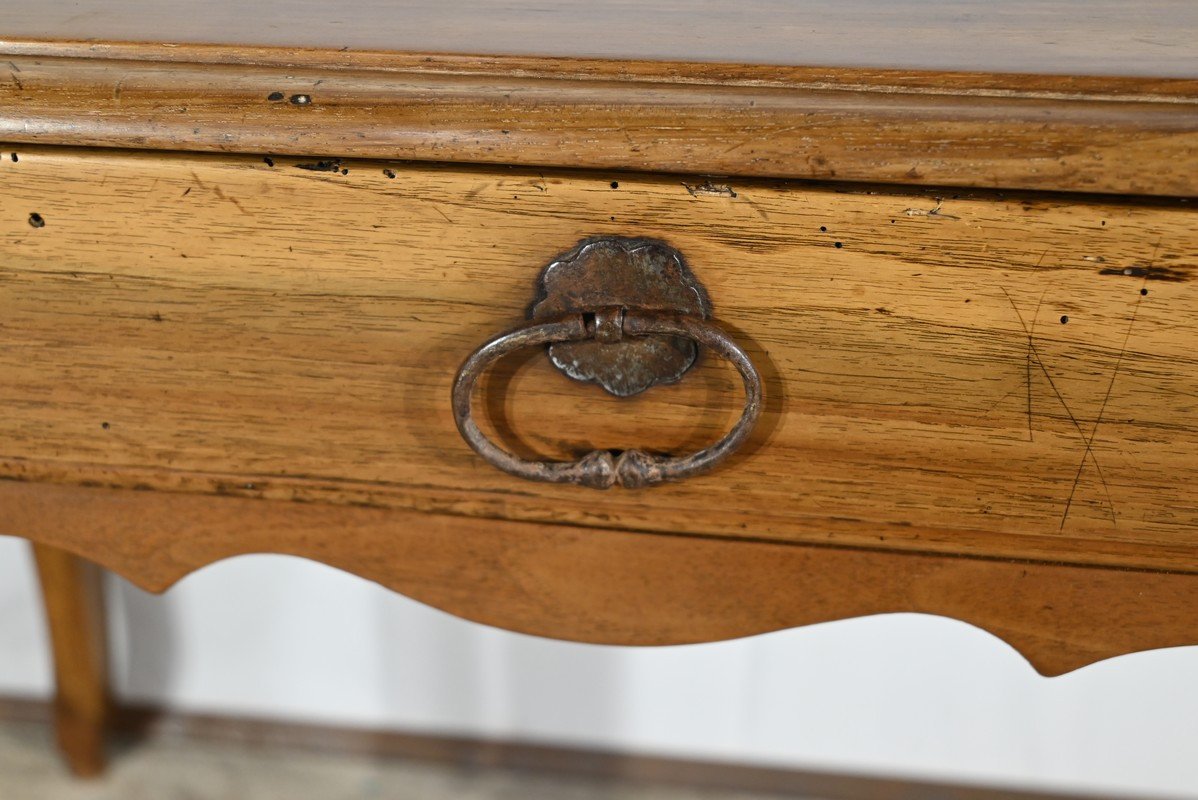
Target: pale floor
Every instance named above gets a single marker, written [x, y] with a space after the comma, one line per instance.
[172, 770]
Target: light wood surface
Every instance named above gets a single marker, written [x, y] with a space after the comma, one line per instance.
[1137, 136]
[218, 325]
[975, 401]
[613, 587]
[1149, 37]
[74, 602]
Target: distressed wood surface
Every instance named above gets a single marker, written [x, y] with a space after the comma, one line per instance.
[1149, 37]
[998, 376]
[1120, 135]
[614, 587]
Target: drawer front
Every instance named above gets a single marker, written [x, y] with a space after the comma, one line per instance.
[1007, 376]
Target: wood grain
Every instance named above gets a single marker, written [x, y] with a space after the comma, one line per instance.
[614, 587]
[218, 325]
[74, 602]
[1137, 136]
[1149, 37]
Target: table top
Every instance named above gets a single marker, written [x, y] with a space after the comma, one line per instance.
[1058, 96]
[1151, 38]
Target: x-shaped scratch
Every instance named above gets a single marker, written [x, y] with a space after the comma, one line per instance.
[1110, 385]
[1034, 355]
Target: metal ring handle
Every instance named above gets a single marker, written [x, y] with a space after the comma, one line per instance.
[601, 469]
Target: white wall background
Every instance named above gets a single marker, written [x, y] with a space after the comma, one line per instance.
[906, 695]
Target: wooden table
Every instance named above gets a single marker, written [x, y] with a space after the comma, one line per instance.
[244, 254]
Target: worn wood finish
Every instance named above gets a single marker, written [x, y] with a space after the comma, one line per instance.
[979, 405]
[1149, 37]
[615, 587]
[218, 325]
[1008, 131]
[74, 602]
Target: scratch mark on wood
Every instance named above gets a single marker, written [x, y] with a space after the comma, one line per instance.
[765, 134]
[1089, 450]
[1098, 420]
[219, 193]
[753, 205]
[1030, 338]
[998, 402]
[1030, 342]
[1107, 397]
[1031, 351]
[1028, 361]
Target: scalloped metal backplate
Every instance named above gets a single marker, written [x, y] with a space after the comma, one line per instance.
[632, 273]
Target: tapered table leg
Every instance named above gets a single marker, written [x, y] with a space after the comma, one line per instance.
[74, 601]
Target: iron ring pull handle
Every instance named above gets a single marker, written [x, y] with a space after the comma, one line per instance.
[600, 469]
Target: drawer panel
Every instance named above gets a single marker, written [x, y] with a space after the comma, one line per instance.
[1007, 376]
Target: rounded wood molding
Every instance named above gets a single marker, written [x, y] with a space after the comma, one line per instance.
[1057, 133]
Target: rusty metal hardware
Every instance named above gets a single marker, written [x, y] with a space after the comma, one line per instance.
[626, 314]
[622, 272]
[601, 469]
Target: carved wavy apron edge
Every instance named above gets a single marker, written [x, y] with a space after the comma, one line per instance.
[610, 587]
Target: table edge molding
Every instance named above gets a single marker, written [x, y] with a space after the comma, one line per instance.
[998, 131]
